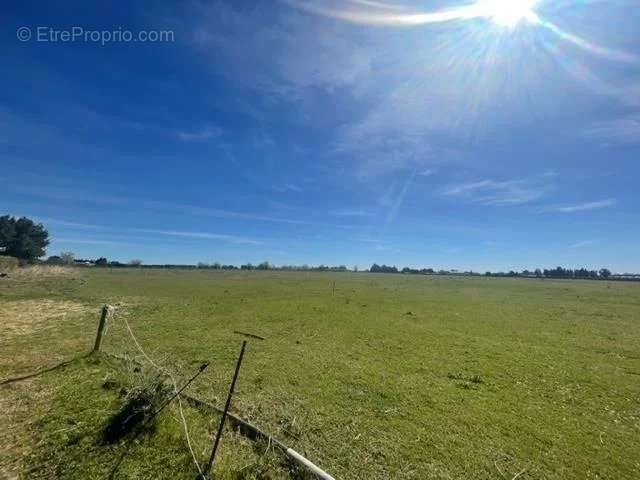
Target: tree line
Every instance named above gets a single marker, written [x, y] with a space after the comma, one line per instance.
[27, 240]
[558, 272]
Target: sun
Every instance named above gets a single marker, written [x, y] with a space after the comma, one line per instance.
[508, 13]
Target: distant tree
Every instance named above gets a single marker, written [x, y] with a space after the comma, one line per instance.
[538, 273]
[54, 260]
[375, 268]
[67, 258]
[355, 268]
[605, 273]
[203, 265]
[135, 262]
[216, 266]
[22, 238]
[264, 266]
[101, 262]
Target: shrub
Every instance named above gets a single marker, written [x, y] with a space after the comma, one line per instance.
[8, 263]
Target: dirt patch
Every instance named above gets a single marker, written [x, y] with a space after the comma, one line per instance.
[22, 317]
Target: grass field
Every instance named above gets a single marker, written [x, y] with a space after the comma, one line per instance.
[391, 377]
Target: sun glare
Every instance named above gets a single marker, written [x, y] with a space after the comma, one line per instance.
[508, 13]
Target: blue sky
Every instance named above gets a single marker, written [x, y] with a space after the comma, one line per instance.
[328, 132]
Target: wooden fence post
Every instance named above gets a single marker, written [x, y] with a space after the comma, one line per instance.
[106, 310]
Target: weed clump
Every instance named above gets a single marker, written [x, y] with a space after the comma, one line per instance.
[139, 403]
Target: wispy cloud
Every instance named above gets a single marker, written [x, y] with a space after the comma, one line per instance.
[581, 207]
[370, 240]
[201, 236]
[386, 248]
[172, 233]
[206, 133]
[65, 223]
[91, 241]
[289, 187]
[278, 50]
[350, 212]
[582, 244]
[397, 202]
[73, 194]
[621, 130]
[495, 193]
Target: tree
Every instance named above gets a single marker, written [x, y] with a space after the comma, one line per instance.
[22, 238]
[203, 265]
[53, 260]
[605, 273]
[101, 262]
[67, 258]
[135, 262]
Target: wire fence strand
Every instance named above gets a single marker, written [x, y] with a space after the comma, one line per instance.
[168, 373]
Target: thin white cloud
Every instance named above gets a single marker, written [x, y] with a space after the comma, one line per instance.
[165, 206]
[63, 223]
[397, 202]
[371, 240]
[350, 212]
[206, 133]
[173, 233]
[495, 193]
[582, 244]
[201, 236]
[90, 241]
[386, 248]
[624, 130]
[278, 50]
[581, 207]
[289, 187]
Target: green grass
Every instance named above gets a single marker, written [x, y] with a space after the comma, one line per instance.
[403, 377]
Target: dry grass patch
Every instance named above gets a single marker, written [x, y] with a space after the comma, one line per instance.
[17, 403]
[41, 271]
[21, 317]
